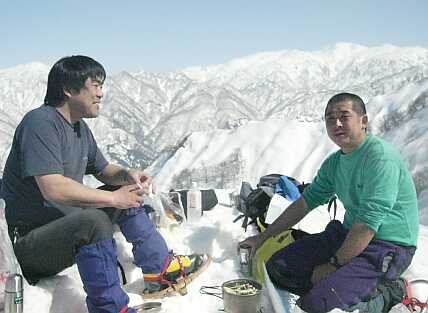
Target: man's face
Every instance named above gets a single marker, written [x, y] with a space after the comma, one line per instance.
[345, 126]
[86, 102]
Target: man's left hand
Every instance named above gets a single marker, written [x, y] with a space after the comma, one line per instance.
[142, 178]
[321, 271]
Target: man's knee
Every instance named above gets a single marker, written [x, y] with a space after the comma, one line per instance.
[95, 226]
[315, 302]
[284, 272]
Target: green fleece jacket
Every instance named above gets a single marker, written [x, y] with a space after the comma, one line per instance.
[375, 187]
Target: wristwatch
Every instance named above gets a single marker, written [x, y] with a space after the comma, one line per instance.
[335, 262]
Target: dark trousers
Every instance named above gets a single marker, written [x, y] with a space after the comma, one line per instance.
[49, 249]
[291, 268]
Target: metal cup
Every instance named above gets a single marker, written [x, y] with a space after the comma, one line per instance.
[244, 259]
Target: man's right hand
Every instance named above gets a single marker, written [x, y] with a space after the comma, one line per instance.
[290, 217]
[254, 242]
[128, 196]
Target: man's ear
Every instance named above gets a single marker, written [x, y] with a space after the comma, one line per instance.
[364, 121]
[68, 93]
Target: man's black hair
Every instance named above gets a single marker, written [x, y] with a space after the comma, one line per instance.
[357, 103]
[70, 74]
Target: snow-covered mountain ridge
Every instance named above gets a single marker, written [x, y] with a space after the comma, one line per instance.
[145, 116]
[343, 60]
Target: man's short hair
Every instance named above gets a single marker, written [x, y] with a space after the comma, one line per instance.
[70, 74]
[357, 103]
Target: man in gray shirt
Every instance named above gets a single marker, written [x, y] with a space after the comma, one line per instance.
[56, 220]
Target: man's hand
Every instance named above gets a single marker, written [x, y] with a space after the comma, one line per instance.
[140, 178]
[322, 271]
[126, 197]
[254, 242]
[117, 175]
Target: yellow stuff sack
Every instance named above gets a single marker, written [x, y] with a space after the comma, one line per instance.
[269, 248]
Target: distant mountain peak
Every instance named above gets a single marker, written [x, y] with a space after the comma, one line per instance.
[290, 64]
[28, 67]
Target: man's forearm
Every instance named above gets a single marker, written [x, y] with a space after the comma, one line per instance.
[64, 190]
[358, 238]
[294, 213]
[114, 175]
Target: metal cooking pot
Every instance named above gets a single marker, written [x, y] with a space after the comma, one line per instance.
[235, 302]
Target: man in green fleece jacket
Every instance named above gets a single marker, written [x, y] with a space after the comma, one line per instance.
[342, 266]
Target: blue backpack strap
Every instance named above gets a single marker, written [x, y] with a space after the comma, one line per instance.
[287, 189]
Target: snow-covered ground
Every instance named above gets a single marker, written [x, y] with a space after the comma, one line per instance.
[214, 233]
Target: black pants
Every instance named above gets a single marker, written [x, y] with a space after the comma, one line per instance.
[49, 249]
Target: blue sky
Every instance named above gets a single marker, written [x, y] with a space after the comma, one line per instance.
[161, 36]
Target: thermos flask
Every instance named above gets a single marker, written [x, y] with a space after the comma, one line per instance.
[14, 294]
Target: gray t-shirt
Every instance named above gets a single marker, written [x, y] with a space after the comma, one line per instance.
[45, 143]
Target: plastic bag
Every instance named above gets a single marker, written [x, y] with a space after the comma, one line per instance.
[165, 208]
[172, 206]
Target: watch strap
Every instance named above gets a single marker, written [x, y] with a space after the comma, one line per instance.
[335, 262]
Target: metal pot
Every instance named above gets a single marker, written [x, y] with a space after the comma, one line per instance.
[235, 302]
